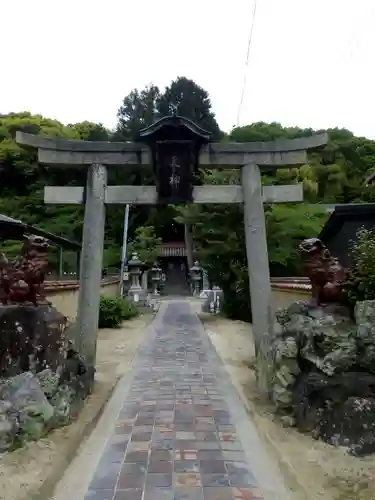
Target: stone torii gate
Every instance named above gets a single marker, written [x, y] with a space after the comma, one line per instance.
[170, 141]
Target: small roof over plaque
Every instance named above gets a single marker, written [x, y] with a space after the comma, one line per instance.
[173, 128]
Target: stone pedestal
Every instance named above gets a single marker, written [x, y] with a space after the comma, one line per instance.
[31, 338]
[206, 283]
[43, 380]
[144, 280]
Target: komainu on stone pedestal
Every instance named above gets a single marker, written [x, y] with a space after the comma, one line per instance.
[43, 380]
[324, 359]
[327, 276]
[22, 281]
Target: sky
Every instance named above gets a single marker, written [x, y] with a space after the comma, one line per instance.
[311, 61]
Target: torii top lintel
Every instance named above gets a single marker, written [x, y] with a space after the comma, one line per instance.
[270, 154]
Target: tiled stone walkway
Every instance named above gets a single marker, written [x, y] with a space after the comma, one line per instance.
[175, 438]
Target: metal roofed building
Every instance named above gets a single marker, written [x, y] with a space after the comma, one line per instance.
[11, 228]
[341, 228]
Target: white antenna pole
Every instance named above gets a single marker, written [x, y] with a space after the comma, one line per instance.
[124, 245]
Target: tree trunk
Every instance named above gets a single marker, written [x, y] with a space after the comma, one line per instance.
[189, 245]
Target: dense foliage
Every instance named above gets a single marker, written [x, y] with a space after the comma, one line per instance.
[361, 282]
[335, 174]
[145, 244]
[114, 310]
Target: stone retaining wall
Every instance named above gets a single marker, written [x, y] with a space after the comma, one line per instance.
[64, 294]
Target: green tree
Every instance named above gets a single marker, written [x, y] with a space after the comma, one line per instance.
[190, 101]
[335, 173]
[360, 284]
[89, 131]
[138, 110]
[145, 243]
[287, 225]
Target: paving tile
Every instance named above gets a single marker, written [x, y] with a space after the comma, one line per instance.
[105, 476]
[111, 455]
[233, 456]
[138, 429]
[159, 480]
[188, 493]
[186, 466]
[184, 427]
[210, 493]
[215, 480]
[123, 429]
[136, 456]
[247, 494]
[161, 443]
[236, 467]
[231, 445]
[127, 481]
[158, 494]
[161, 467]
[138, 446]
[212, 466]
[160, 455]
[226, 428]
[188, 479]
[208, 445]
[186, 454]
[141, 436]
[129, 494]
[227, 436]
[164, 427]
[99, 495]
[242, 480]
[185, 435]
[210, 455]
[206, 436]
[133, 468]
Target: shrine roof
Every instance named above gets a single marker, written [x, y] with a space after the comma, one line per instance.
[174, 121]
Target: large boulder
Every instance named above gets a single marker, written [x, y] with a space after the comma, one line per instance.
[324, 372]
[364, 313]
[32, 338]
[309, 337]
[25, 398]
[9, 425]
[43, 379]
[326, 336]
[350, 424]
[286, 370]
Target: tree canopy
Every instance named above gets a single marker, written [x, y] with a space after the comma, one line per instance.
[140, 109]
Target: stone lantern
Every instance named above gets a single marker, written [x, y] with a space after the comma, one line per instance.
[196, 277]
[175, 144]
[156, 277]
[135, 269]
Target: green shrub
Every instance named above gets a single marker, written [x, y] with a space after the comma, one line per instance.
[114, 310]
[360, 284]
[236, 303]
